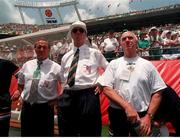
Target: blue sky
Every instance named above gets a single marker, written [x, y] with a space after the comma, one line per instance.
[99, 8]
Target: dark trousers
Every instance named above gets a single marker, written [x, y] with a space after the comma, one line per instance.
[79, 113]
[37, 120]
[119, 124]
[4, 126]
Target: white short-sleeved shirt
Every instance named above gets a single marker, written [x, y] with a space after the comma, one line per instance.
[90, 60]
[110, 44]
[134, 79]
[47, 87]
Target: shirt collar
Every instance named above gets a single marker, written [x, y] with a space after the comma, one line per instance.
[84, 46]
[131, 60]
[44, 61]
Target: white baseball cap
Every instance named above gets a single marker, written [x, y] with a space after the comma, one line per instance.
[74, 25]
[153, 28]
[174, 33]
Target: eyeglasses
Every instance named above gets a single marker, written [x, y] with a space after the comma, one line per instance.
[81, 30]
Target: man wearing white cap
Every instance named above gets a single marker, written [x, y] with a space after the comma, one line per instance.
[155, 43]
[110, 46]
[79, 105]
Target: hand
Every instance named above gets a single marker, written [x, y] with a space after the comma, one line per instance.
[15, 95]
[132, 114]
[145, 127]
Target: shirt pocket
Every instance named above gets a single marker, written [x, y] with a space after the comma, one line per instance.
[48, 84]
[88, 68]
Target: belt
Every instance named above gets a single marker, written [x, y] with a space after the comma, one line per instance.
[77, 88]
[34, 104]
[79, 91]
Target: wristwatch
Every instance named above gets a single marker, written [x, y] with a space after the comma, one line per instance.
[150, 115]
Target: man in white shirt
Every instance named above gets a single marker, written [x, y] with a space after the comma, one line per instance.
[155, 43]
[110, 46]
[133, 86]
[38, 81]
[79, 113]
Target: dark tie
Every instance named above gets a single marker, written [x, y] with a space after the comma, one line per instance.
[72, 70]
[34, 86]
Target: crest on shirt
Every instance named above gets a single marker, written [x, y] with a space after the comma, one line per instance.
[88, 68]
[46, 84]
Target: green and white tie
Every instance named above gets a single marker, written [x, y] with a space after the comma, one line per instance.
[34, 86]
[73, 68]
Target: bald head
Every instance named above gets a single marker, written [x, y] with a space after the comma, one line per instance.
[129, 43]
[129, 33]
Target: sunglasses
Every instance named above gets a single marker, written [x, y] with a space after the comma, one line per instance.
[81, 30]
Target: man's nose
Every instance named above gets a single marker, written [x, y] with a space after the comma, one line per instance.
[42, 48]
[78, 31]
[128, 42]
[126, 39]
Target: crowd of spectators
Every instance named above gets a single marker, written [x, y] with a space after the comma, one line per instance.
[157, 43]
[20, 29]
[154, 43]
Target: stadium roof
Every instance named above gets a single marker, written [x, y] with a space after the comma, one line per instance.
[49, 34]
